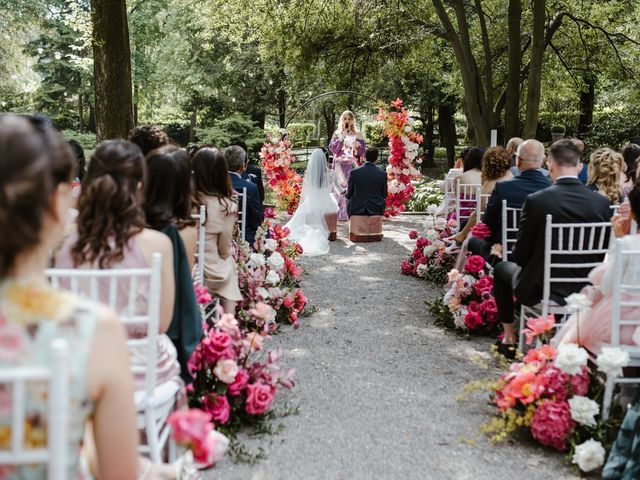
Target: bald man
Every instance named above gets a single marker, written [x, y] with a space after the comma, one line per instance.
[529, 158]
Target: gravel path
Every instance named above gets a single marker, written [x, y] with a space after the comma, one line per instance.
[377, 383]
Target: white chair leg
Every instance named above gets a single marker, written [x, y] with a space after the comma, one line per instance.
[152, 438]
[608, 397]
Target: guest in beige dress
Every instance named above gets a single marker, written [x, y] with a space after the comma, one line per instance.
[214, 191]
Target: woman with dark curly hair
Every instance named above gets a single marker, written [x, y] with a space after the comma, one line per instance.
[149, 137]
[495, 166]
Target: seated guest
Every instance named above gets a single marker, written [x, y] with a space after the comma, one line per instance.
[593, 330]
[472, 167]
[149, 137]
[605, 167]
[583, 176]
[459, 162]
[568, 201]
[631, 155]
[235, 156]
[529, 160]
[496, 166]
[110, 233]
[252, 171]
[367, 189]
[213, 189]
[36, 171]
[167, 208]
[512, 149]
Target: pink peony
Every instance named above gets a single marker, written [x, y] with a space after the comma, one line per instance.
[538, 326]
[239, 384]
[543, 354]
[413, 234]
[551, 424]
[484, 285]
[481, 231]
[490, 309]
[475, 264]
[259, 398]
[557, 382]
[218, 407]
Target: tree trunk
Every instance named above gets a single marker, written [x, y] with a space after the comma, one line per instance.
[429, 145]
[136, 97]
[80, 113]
[329, 115]
[112, 69]
[535, 70]
[282, 107]
[447, 130]
[92, 118]
[587, 103]
[192, 127]
[512, 104]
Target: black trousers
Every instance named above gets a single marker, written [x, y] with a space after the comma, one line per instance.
[478, 246]
[504, 280]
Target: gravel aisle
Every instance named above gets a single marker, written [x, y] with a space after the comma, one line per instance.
[377, 382]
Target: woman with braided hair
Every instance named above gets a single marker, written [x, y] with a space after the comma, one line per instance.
[605, 168]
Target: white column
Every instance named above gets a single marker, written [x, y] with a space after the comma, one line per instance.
[494, 138]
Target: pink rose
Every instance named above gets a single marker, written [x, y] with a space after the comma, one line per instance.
[473, 318]
[490, 309]
[239, 384]
[484, 285]
[190, 426]
[413, 234]
[218, 407]
[551, 424]
[481, 231]
[406, 267]
[216, 345]
[11, 343]
[288, 302]
[259, 398]
[475, 264]
[203, 297]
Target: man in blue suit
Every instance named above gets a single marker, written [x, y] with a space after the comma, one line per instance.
[235, 158]
[367, 191]
[529, 158]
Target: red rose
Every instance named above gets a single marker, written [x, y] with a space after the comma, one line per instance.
[259, 398]
[490, 309]
[218, 407]
[406, 268]
[481, 231]
[475, 264]
[484, 285]
[413, 234]
[239, 384]
[421, 243]
[473, 320]
[288, 302]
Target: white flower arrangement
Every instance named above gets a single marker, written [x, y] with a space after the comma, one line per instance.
[612, 360]
[584, 410]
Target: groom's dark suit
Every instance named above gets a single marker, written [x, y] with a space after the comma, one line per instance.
[367, 192]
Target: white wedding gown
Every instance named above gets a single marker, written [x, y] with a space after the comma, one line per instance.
[308, 226]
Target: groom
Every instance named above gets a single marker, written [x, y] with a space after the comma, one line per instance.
[367, 192]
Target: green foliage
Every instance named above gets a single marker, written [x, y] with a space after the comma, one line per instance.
[86, 139]
[373, 133]
[301, 134]
[441, 314]
[231, 129]
[427, 192]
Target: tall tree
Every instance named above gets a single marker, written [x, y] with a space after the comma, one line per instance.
[112, 69]
[512, 105]
[538, 46]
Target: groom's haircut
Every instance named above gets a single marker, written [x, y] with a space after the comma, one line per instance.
[565, 153]
[234, 156]
[371, 155]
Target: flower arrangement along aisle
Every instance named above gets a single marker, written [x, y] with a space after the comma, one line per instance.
[277, 157]
[403, 156]
[468, 303]
[270, 275]
[554, 395]
[429, 260]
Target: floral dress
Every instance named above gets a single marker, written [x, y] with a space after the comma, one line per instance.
[31, 316]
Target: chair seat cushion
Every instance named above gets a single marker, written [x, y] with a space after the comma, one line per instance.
[365, 229]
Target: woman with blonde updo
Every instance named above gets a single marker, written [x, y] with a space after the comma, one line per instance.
[605, 168]
[347, 145]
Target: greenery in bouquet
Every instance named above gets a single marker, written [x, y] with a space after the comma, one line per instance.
[425, 194]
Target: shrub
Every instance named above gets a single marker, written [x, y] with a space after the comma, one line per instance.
[373, 133]
[86, 139]
[231, 129]
[178, 132]
[301, 134]
[427, 192]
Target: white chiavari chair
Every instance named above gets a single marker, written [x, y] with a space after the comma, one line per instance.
[201, 218]
[561, 242]
[140, 285]
[17, 380]
[510, 221]
[482, 206]
[242, 214]
[626, 301]
[468, 199]
[450, 190]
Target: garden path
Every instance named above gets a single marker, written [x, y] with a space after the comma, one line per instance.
[377, 382]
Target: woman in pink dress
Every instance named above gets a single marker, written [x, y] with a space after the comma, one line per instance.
[593, 330]
[347, 145]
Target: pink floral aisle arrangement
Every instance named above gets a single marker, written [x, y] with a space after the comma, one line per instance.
[193, 429]
[429, 260]
[468, 303]
[555, 395]
[234, 380]
[270, 275]
[404, 156]
[277, 157]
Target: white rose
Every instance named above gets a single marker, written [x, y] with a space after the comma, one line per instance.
[433, 209]
[262, 293]
[276, 261]
[578, 303]
[407, 128]
[272, 278]
[256, 260]
[270, 244]
[584, 410]
[422, 270]
[612, 360]
[226, 370]
[589, 455]
[570, 358]
[429, 250]
[432, 234]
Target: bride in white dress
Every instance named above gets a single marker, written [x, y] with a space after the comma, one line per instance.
[308, 226]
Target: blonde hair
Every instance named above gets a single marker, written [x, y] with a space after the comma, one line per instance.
[347, 114]
[605, 167]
